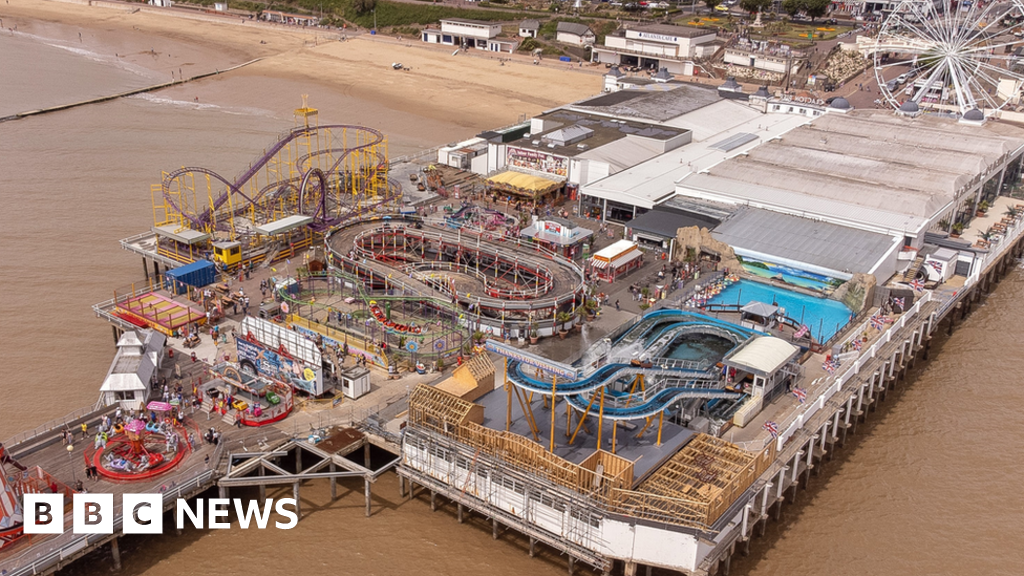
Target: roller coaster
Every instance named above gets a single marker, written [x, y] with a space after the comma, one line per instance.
[327, 173]
[503, 283]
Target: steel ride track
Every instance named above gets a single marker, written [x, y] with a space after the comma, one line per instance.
[567, 277]
[203, 220]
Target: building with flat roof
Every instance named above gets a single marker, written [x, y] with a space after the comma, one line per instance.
[290, 18]
[656, 46]
[466, 33]
[574, 147]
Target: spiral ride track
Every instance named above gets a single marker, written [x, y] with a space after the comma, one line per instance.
[437, 263]
[329, 173]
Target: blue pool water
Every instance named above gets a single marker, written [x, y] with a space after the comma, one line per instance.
[823, 316]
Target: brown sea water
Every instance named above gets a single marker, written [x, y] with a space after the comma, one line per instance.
[930, 486]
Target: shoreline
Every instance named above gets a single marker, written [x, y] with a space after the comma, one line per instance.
[485, 91]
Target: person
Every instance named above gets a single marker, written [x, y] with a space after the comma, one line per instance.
[85, 430]
[616, 305]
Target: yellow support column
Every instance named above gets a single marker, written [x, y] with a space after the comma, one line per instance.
[661, 418]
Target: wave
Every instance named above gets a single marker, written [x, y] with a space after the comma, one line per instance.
[192, 105]
[105, 59]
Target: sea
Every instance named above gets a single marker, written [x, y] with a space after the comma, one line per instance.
[930, 485]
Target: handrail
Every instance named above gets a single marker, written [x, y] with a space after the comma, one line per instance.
[51, 425]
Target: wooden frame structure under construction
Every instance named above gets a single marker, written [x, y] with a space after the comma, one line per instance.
[694, 488]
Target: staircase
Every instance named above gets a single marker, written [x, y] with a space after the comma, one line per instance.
[231, 417]
[915, 267]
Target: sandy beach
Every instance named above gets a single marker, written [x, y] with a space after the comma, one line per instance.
[472, 90]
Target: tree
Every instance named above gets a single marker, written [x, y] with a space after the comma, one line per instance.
[815, 8]
[364, 6]
[755, 6]
[711, 4]
[792, 7]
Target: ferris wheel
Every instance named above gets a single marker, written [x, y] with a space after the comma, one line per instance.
[951, 55]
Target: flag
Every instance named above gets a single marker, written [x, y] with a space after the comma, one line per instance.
[898, 302]
[917, 285]
[772, 428]
[876, 323]
[936, 265]
[857, 344]
[801, 394]
[827, 367]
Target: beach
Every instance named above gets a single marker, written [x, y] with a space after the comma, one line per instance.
[474, 91]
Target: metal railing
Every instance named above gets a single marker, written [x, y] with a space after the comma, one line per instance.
[52, 425]
[795, 421]
[69, 545]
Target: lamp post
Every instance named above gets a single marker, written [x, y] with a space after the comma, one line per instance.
[70, 449]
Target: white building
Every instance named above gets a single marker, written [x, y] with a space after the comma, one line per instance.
[136, 363]
[575, 34]
[578, 148]
[656, 46]
[529, 28]
[466, 33]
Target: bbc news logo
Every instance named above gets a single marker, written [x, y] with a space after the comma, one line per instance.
[143, 513]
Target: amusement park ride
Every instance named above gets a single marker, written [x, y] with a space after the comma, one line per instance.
[959, 57]
[313, 178]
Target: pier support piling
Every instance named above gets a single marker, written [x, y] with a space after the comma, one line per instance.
[494, 528]
[630, 569]
[366, 483]
[433, 501]
[459, 509]
[115, 553]
[298, 503]
[533, 546]
[334, 485]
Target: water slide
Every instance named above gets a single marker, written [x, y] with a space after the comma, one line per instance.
[688, 384]
[669, 380]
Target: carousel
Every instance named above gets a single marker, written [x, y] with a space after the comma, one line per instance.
[141, 450]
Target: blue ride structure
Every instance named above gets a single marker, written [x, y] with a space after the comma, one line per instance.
[638, 381]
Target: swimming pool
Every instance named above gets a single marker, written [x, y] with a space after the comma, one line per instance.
[823, 316]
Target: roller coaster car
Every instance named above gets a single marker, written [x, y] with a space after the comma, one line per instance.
[239, 405]
[227, 253]
[273, 399]
[641, 363]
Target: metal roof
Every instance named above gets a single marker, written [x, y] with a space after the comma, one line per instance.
[865, 169]
[735, 141]
[670, 30]
[816, 242]
[761, 309]
[761, 355]
[283, 225]
[179, 234]
[574, 28]
[666, 223]
[530, 24]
